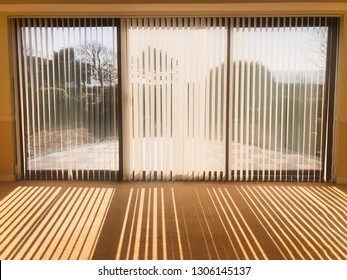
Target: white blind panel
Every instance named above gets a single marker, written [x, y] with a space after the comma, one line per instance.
[178, 90]
[278, 102]
[68, 93]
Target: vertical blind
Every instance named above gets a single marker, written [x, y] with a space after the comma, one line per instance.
[238, 99]
[177, 82]
[67, 73]
[225, 99]
[279, 98]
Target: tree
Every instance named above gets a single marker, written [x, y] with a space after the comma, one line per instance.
[317, 48]
[101, 63]
[68, 70]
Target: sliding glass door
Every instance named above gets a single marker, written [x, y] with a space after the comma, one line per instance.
[237, 99]
[218, 99]
[68, 94]
[177, 86]
[282, 70]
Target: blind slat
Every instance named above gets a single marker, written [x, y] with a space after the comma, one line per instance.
[63, 98]
[175, 80]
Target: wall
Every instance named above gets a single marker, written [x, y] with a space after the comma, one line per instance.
[168, 7]
[341, 110]
[7, 122]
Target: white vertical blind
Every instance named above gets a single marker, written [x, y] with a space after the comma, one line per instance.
[68, 90]
[178, 91]
[225, 99]
[278, 100]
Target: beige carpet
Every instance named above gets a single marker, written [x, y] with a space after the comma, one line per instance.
[98, 220]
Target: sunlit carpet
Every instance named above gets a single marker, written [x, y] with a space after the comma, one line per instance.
[97, 220]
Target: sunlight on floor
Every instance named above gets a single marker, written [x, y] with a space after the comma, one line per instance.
[40, 222]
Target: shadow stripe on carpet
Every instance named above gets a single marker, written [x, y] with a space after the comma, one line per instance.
[239, 223]
[174, 221]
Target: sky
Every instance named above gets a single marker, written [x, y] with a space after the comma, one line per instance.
[280, 49]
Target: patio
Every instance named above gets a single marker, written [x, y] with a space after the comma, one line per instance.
[104, 156]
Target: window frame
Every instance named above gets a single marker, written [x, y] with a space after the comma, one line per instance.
[17, 41]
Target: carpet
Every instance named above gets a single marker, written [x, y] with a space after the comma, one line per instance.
[173, 220]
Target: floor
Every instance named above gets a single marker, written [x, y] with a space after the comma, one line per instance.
[172, 220]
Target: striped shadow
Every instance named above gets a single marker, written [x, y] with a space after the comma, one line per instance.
[239, 222]
[174, 221]
[52, 222]
[192, 223]
[150, 229]
[303, 222]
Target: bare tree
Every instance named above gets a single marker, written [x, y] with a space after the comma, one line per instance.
[101, 61]
[317, 48]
